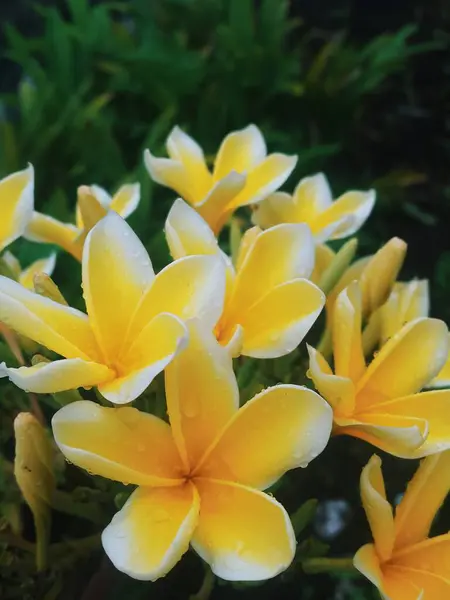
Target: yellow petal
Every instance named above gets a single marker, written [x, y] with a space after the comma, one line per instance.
[148, 354]
[277, 324]
[240, 151]
[43, 265]
[345, 216]
[424, 495]
[265, 178]
[122, 444]
[339, 392]
[172, 174]
[191, 287]
[312, 196]
[60, 328]
[116, 270]
[432, 407]
[58, 376]
[407, 301]
[126, 200]
[13, 263]
[187, 233]
[48, 230]
[276, 209]
[202, 393]
[277, 255]
[215, 207]
[367, 562]
[398, 585]
[243, 534]
[16, 205]
[442, 379]
[405, 364]
[397, 435]
[151, 533]
[377, 508]
[431, 556]
[347, 340]
[181, 147]
[292, 424]
[431, 586]
[324, 258]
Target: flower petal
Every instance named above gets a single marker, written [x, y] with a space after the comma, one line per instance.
[48, 230]
[347, 339]
[339, 392]
[123, 444]
[151, 533]
[430, 555]
[170, 173]
[277, 324]
[126, 200]
[264, 179]
[312, 196]
[402, 584]
[442, 379]
[202, 393]
[240, 151]
[58, 376]
[60, 328]
[407, 301]
[43, 265]
[148, 354]
[278, 208]
[187, 233]
[215, 206]
[115, 267]
[406, 363]
[292, 424]
[432, 407]
[377, 508]
[243, 534]
[424, 496]
[16, 202]
[367, 562]
[346, 215]
[324, 258]
[190, 287]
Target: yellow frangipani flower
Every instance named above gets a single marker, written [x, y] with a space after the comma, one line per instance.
[133, 326]
[93, 203]
[403, 562]
[243, 172]
[26, 276]
[269, 305]
[312, 203]
[381, 403]
[200, 478]
[408, 301]
[16, 205]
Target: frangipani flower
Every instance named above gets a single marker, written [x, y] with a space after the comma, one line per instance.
[408, 301]
[403, 562]
[243, 172]
[200, 479]
[93, 202]
[26, 276]
[16, 205]
[381, 403]
[133, 328]
[269, 306]
[312, 203]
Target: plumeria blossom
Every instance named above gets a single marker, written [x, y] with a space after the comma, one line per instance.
[381, 402]
[16, 205]
[403, 562]
[26, 276]
[312, 203]
[200, 478]
[134, 323]
[243, 173]
[93, 202]
[269, 305]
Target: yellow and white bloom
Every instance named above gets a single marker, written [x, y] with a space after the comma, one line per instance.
[200, 478]
[134, 323]
[16, 205]
[93, 203]
[381, 402]
[403, 562]
[270, 305]
[26, 276]
[312, 203]
[243, 172]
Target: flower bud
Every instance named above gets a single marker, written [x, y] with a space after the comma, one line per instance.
[45, 286]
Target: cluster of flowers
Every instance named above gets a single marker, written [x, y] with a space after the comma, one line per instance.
[201, 476]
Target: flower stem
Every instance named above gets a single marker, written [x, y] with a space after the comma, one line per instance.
[207, 586]
[328, 565]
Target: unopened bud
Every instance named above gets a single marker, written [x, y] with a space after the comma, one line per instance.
[338, 265]
[45, 286]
